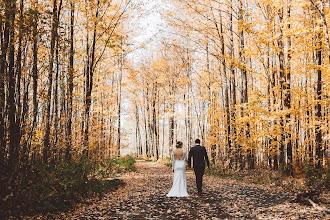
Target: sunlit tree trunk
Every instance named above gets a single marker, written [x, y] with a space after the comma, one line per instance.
[146, 121]
[318, 108]
[244, 87]
[171, 119]
[119, 105]
[236, 151]
[283, 86]
[137, 132]
[287, 96]
[154, 121]
[5, 26]
[34, 78]
[273, 84]
[50, 83]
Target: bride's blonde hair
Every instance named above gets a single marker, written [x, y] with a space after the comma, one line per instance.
[179, 144]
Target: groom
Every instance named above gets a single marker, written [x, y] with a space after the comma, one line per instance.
[199, 154]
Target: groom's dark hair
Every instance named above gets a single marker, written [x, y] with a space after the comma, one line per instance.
[197, 141]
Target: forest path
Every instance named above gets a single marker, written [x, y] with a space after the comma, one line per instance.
[144, 197]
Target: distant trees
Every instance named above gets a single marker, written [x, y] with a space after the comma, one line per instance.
[257, 77]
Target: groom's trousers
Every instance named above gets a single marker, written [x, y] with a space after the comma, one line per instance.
[199, 172]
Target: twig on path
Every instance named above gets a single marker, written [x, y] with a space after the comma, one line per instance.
[318, 207]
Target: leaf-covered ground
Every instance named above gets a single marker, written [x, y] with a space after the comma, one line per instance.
[144, 197]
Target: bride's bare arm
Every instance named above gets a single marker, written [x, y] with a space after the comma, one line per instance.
[173, 160]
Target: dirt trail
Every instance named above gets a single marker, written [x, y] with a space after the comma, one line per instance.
[144, 197]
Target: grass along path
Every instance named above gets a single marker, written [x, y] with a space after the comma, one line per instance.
[144, 197]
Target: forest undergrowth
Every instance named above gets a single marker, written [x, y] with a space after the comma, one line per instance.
[309, 183]
[42, 188]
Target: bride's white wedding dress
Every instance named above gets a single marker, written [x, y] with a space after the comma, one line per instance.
[179, 187]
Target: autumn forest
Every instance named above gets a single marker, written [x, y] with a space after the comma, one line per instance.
[84, 79]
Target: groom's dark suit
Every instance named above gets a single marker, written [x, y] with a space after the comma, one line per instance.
[199, 155]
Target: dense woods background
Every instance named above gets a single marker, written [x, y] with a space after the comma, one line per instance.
[250, 78]
[61, 64]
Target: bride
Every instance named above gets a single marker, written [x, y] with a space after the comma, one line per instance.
[179, 187]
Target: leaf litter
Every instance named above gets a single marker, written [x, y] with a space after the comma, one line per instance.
[144, 197]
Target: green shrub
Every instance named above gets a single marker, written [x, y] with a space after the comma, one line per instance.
[124, 164]
[167, 161]
[115, 166]
[169, 164]
[317, 177]
[217, 171]
[105, 169]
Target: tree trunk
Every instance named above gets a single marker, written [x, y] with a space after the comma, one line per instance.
[283, 86]
[19, 75]
[70, 84]
[34, 74]
[171, 122]
[244, 97]
[318, 108]
[236, 151]
[13, 127]
[50, 83]
[154, 118]
[287, 98]
[89, 81]
[55, 103]
[119, 105]
[137, 132]
[3, 72]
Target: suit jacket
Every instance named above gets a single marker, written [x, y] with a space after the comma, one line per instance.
[199, 154]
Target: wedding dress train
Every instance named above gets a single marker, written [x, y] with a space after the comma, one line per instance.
[179, 187]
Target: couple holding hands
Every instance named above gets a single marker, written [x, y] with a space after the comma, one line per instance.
[199, 155]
